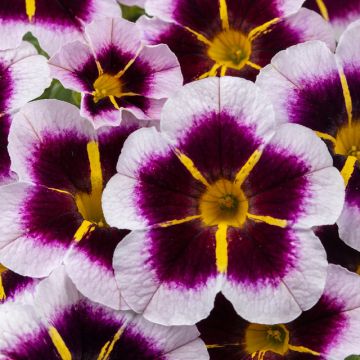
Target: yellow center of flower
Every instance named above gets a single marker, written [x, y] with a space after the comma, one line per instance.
[89, 204]
[110, 86]
[107, 85]
[260, 339]
[347, 141]
[230, 48]
[224, 203]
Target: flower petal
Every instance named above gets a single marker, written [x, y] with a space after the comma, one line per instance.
[37, 229]
[303, 183]
[43, 139]
[162, 288]
[299, 280]
[304, 85]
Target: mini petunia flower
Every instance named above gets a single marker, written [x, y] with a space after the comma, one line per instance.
[340, 14]
[24, 75]
[53, 215]
[220, 201]
[14, 287]
[311, 86]
[52, 22]
[62, 324]
[114, 71]
[230, 37]
[328, 331]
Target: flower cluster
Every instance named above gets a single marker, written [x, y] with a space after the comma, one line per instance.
[182, 186]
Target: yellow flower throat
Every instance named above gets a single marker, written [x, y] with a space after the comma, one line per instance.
[230, 48]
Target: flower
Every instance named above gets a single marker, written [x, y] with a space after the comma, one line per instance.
[114, 71]
[311, 86]
[219, 200]
[62, 324]
[230, 37]
[24, 75]
[339, 14]
[53, 215]
[53, 23]
[330, 330]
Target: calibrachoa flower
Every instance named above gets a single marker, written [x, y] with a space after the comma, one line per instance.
[311, 86]
[219, 200]
[114, 71]
[328, 331]
[24, 75]
[53, 22]
[53, 215]
[62, 324]
[230, 37]
[339, 13]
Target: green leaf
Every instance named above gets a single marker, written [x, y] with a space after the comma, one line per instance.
[57, 91]
[132, 13]
[33, 40]
[353, 357]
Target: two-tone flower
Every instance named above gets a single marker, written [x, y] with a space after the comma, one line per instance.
[339, 13]
[115, 71]
[53, 214]
[24, 75]
[62, 324]
[328, 331]
[230, 37]
[52, 22]
[311, 86]
[221, 200]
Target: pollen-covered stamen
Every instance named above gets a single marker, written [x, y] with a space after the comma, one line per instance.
[231, 49]
[354, 151]
[261, 339]
[228, 203]
[110, 86]
[347, 141]
[223, 203]
[107, 85]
